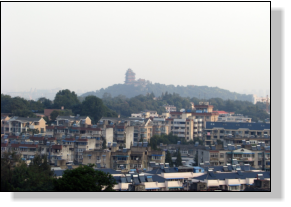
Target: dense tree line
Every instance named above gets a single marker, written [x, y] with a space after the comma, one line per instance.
[16, 175]
[130, 91]
[92, 106]
[126, 106]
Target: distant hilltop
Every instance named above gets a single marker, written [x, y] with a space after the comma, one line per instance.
[132, 87]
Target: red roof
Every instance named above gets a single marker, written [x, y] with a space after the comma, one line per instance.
[51, 138]
[221, 112]
[109, 126]
[69, 139]
[36, 138]
[13, 137]
[4, 144]
[59, 147]
[47, 112]
[81, 140]
[24, 145]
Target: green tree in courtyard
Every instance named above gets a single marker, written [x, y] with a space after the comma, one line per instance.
[179, 159]
[169, 159]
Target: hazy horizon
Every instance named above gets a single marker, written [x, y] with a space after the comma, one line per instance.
[89, 46]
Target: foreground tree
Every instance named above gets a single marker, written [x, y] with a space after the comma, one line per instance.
[84, 178]
[17, 176]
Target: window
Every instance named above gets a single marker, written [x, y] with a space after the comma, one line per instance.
[89, 157]
[221, 155]
[156, 157]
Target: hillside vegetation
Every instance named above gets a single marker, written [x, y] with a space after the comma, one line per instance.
[158, 89]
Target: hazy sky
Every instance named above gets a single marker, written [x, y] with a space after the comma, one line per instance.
[88, 46]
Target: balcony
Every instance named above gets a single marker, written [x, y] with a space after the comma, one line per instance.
[120, 138]
[214, 159]
[178, 130]
[181, 135]
[179, 125]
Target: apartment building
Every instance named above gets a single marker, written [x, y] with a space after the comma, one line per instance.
[145, 114]
[233, 132]
[81, 121]
[233, 118]
[170, 108]
[159, 126]
[21, 125]
[143, 130]
[101, 158]
[258, 157]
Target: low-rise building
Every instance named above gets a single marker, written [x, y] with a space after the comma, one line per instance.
[22, 125]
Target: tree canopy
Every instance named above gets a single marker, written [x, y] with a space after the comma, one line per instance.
[66, 98]
[84, 178]
[169, 159]
[178, 161]
[18, 176]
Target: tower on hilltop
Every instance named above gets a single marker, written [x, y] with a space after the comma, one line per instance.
[129, 77]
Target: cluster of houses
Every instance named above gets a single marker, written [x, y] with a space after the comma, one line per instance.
[229, 143]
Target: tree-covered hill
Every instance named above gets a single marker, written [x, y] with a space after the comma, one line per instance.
[126, 106]
[158, 89]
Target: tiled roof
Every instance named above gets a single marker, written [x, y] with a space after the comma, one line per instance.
[59, 147]
[233, 175]
[4, 144]
[237, 125]
[36, 138]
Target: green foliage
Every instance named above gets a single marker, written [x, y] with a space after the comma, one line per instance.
[66, 98]
[20, 106]
[196, 159]
[94, 107]
[17, 176]
[126, 106]
[48, 104]
[23, 113]
[179, 159]
[84, 178]
[56, 113]
[158, 89]
[104, 143]
[169, 159]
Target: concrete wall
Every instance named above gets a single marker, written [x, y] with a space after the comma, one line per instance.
[109, 135]
[129, 136]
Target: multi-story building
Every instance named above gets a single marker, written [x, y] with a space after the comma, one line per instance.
[145, 114]
[235, 133]
[233, 118]
[21, 125]
[170, 108]
[159, 126]
[82, 121]
[258, 157]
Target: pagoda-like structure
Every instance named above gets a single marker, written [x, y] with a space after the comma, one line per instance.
[129, 77]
